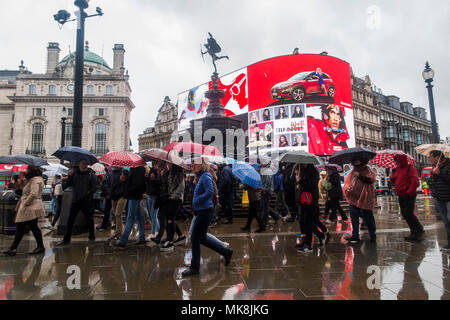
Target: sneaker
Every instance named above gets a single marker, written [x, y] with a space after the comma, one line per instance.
[10, 252]
[156, 241]
[350, 239]
[304, 249]
[228, 257]
[117, 245]
[180, 241]
[189, 272]
[226, 244]
[167, 247]
[49, 227]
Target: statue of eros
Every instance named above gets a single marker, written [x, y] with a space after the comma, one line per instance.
[212, 48]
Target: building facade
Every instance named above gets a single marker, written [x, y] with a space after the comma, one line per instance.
[161, 135]
[38, 102]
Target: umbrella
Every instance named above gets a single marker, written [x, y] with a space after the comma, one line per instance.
[162, 155]
[247, 175]
[14, 167]
[194, 148]
[98, 168]
[426, 148]
[23, 159]
[75, 154]
[346, 155]
[300, 156]
[329, 165]
[55, 169]
[385, 158]
[123, 159]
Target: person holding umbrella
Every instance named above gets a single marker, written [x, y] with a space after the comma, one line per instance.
[29, 209]
[335, 193]
[360, 194]
[84, 184]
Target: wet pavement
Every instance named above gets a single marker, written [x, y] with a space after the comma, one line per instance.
[263, 266]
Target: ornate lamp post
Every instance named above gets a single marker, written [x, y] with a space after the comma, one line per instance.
[62, 17]
[63, 128]
[257, 131]
[428, 75]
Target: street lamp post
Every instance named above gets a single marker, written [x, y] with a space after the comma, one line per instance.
[257, 131]
[62, 17]
[63, 128]
[428, 75]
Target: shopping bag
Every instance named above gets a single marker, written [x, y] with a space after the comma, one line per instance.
[245, 202]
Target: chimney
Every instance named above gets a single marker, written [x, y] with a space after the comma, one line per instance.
[52, 56]
[119, 54]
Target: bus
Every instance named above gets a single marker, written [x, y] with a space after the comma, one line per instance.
[426, 174]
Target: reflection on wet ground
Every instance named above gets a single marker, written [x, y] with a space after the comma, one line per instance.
[264, 266]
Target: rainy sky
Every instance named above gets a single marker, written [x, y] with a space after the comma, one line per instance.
[387, 40]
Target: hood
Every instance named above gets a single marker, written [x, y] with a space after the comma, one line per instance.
[402, 159]
[284, 84]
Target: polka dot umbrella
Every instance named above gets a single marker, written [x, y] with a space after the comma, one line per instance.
[122, 159]
[385, 158]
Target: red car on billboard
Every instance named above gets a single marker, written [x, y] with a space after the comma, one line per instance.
[303, 84]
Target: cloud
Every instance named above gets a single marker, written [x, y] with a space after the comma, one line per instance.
[162, 42]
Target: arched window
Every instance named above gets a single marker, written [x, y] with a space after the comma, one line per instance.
[68, 135]
[32, 89]
[52, 89]
[90, 90]
[37, 138]
[100, 138]
[109, 90]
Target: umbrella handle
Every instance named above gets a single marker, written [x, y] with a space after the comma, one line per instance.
[439, 160]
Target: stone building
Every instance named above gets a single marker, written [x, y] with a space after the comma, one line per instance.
[38, 101]
[160, 135]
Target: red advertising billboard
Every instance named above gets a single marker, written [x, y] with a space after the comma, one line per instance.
[298, 102]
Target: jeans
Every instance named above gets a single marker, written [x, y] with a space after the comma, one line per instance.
[153, 213]
[58, 204]
[20, 232]
[107, 213]
[210, 237]
[407, 205]
[368, 218]
[199, 236]
[86, 207]
[134, 215]
[444, 209]
[52, 205]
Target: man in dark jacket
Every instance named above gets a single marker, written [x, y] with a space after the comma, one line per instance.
[406, 181]
[335, 194]
[84, 184]
[226, 193]
[440, 189]
[135, 187]
[118, 200]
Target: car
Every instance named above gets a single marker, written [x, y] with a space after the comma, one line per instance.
[301, 85]
[382, 191]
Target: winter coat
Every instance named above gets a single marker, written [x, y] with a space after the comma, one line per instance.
[153, 186]
[405, 178]
[359, 191]
[84, 185]
[135, 184]
[440, 188]
[226, 183]
[203, 193]
[30, 205]
[309, 182]
[336, 191]
[278, 182]
[175, 186]
[117, 187]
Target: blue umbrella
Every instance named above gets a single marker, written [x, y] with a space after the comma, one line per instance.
[247, 175]
[75, 154]
[23, 159]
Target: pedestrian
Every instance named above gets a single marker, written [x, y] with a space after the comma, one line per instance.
[135, 188]
[309, 203]
[335, 194]
[440, 188]
[84, 184]
[360, 194]
[406, 181]
[58, 194]
[118, 200]
[266, 193]
[226, 193]
[203, 206]
[254, 198]
[105, 188]
[153, 181]
[279, 191]
[288, 174]
[322, 192]
[29, 209]
[52, 195]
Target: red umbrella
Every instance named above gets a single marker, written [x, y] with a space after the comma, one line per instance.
[195, 148]
[385, 158]
[162, 155]
[122, 159]
[14, 167]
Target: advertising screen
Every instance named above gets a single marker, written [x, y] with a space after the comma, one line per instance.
[297, 101]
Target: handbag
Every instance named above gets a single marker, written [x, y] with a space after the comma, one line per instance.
[306, 198]
[245, 201]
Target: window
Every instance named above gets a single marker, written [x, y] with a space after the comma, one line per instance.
[101, 112]
[109, 90]
[52, 89]
[90, 90]
[70, 112]
[12, 117]
[37, 137]
[100, 138]
[32, 89]
[38, 112]
[419, 139]
[12, 133]
[10, 150]
[68, 135]
[406, 135]
[390, 133]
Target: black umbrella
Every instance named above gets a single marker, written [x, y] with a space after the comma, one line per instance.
[23, 159]
[75, 154]
[346, 155]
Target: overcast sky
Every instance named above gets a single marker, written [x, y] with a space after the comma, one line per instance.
[388, 40]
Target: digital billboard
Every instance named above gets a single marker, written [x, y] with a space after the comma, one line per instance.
[297, 101]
